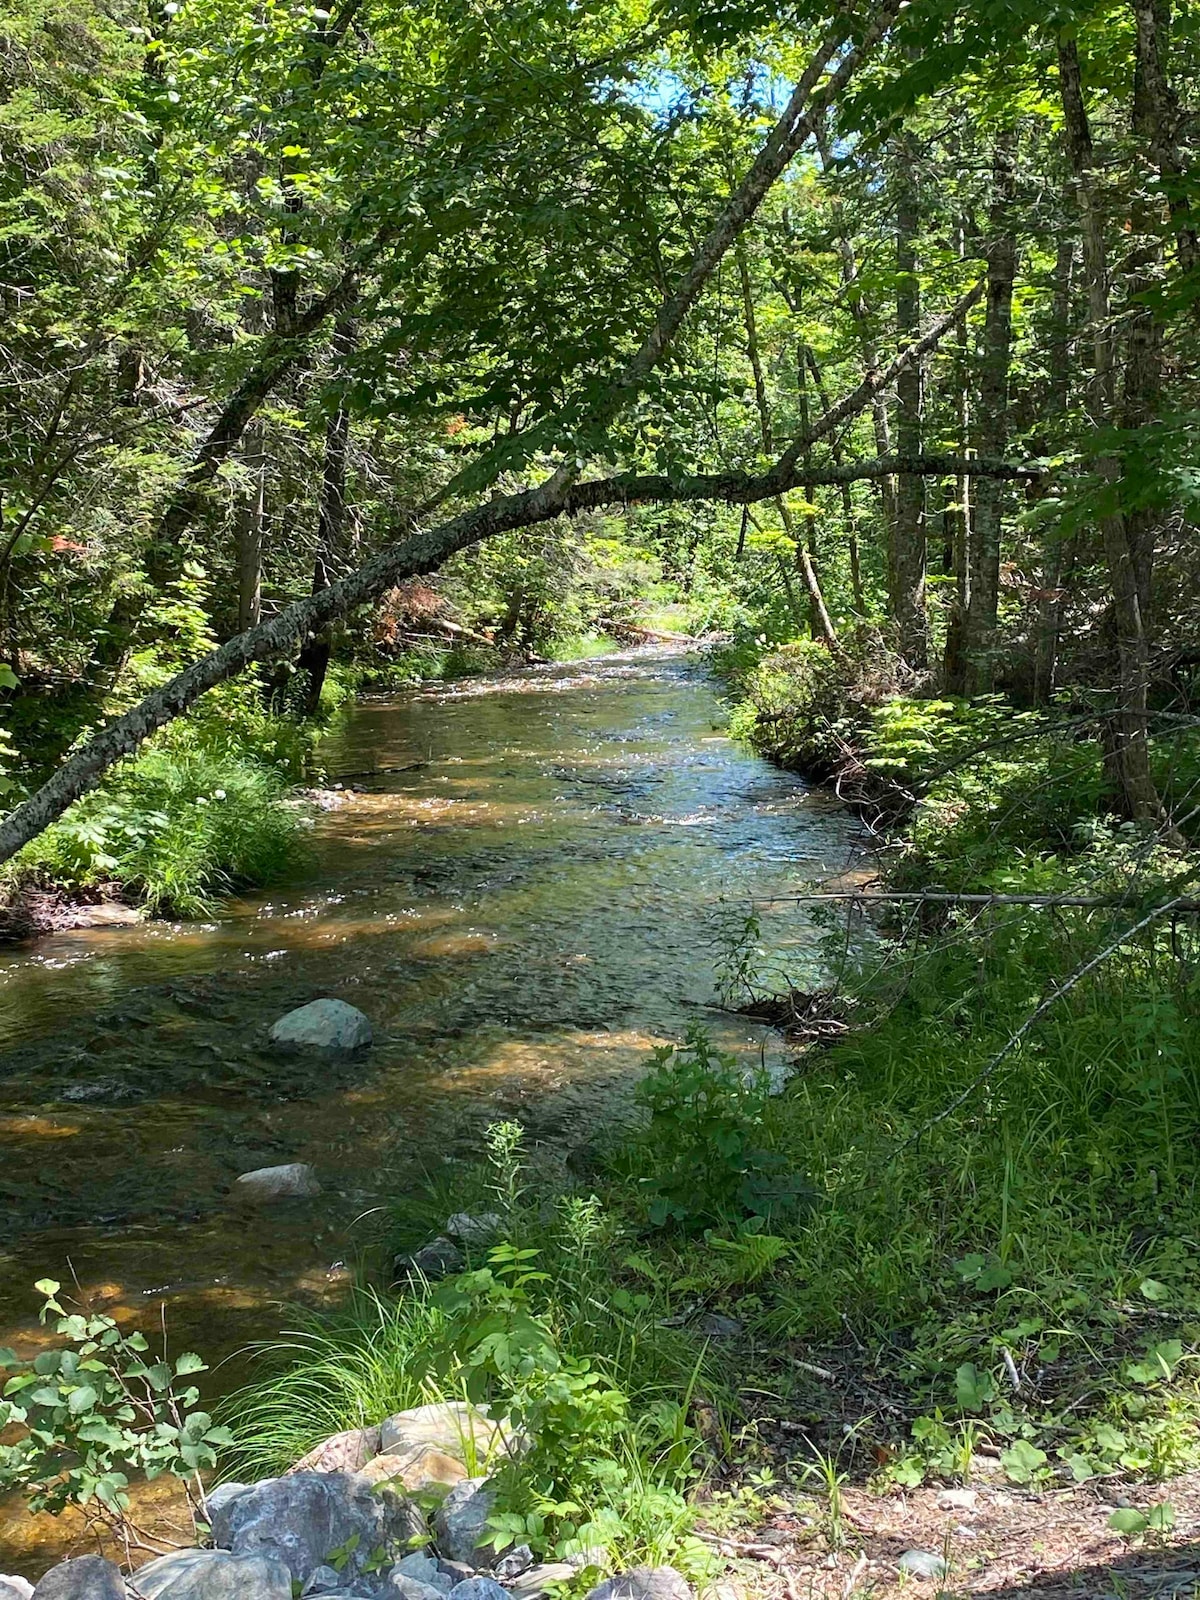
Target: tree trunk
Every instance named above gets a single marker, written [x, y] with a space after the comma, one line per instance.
[1058, 556]
[821, 622]
[1127, 757]
[1157, 119]
[861, 316]
[991, 433]
[248, 530]
[331, 530]
[906, 567]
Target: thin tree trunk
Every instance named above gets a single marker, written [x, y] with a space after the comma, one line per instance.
[1058, 557]
[991, 432]
[248, 530]
[1128, 751]
[959, 518]
[821, 621]
[331, 532]
[906, 566]
[1157, 118]
[861, 316]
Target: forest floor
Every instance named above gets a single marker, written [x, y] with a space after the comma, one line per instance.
[996, 1540]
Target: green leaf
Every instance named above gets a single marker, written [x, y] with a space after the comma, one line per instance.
[81, 1400]
[973, 1389]
[1022, 1461]
[1127, 1521]
[189, 1363]
[1151, 1289]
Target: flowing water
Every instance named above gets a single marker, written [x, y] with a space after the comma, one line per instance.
[525, 894]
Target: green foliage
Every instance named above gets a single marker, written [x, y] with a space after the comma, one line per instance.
[175, 830]
[702, 1158]
[95, 1409]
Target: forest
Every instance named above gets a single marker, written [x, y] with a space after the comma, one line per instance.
[448, 448]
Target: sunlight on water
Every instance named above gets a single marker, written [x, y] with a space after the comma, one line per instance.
[523, 914]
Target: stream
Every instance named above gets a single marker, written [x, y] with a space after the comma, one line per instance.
[523, 912]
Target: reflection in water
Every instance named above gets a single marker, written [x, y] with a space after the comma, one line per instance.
[521, 913]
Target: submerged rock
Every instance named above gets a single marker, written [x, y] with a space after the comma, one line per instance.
[323, 1025]
[213, 1575]
[84, 1578]
[302, 1518]
[459, 1524]
[294, 1180]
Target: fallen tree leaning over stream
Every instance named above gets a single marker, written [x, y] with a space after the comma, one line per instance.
[414, 553]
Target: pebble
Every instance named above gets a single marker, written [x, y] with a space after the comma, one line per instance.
[923, 1564]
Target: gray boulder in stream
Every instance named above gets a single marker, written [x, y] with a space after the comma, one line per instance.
[303, 1519]
[323, 1025]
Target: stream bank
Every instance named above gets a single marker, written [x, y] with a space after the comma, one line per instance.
[525, 900]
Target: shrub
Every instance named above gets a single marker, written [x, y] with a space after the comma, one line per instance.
[96, 1410]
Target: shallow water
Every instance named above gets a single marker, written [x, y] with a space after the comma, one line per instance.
[522, 914]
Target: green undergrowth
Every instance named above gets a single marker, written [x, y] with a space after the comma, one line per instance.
[1006, 1257]
[205, 809]
[538, 1331]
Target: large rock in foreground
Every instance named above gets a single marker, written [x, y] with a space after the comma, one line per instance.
[341, 1452]
[323, 1025]
[460, 1520]
[301, 1519]
[644, 1583]
[213, 1575]
[12, 1588]
[85, 1578]
[457, 1429]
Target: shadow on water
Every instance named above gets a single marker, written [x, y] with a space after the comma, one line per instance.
[523, 914]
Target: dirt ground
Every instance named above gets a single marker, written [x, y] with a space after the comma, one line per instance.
[995, 1540]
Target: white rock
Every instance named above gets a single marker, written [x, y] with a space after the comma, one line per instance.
[514, 1562]
[923, 1564]
[644, 1583]
[325, 1580]
[12, 1588]
[293, 1180]
[213, 1575]
[461, 1431]
[534, 1582]
[957, 1500]
[323, 1025]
